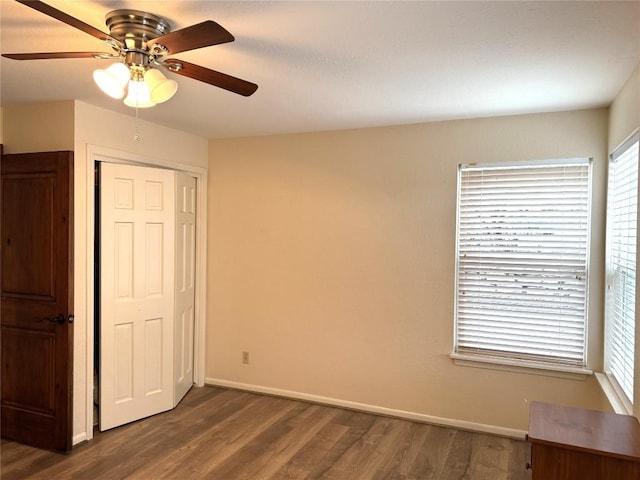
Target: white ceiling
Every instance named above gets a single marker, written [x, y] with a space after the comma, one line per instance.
[336, 65]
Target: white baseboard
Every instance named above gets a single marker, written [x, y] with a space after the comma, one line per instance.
[363, 407]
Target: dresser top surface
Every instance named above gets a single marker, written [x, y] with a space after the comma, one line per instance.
[587, 430]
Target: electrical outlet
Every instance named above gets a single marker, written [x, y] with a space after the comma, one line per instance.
[245, 358]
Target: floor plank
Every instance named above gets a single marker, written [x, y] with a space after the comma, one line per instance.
[431, 459]
[319, 455]
[489, 457]
[232, 435]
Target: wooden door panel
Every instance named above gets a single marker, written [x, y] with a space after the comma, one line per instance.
[19, 345]
[28, 265]
[37, 286]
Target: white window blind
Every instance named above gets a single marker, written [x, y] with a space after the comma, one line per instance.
[621, 266]
[522, 256]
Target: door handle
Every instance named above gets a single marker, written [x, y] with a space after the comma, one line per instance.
[60, 319]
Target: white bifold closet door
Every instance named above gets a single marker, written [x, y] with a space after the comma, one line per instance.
[185, 285]
[146, 321]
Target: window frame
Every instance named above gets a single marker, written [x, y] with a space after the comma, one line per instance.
[508, 360]
[611, 385]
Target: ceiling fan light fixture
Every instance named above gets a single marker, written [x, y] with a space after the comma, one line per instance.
[138, 95]
[160, 87]
[112, 80]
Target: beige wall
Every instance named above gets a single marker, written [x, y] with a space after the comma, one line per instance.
[37, 127]
[624, 118]
[74, 126]
[331, 260]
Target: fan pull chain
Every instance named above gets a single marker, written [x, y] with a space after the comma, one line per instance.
[137, 137]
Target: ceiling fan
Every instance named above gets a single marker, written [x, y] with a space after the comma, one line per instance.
[142, 43]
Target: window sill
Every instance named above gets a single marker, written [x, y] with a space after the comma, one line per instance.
[619, 403]
[520, 366]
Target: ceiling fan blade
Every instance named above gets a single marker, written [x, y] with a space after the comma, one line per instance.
[68, 19]
[200, 35]
[47, 56]
[222, 80]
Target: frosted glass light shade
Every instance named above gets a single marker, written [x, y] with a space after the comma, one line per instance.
[161, 89]
[138, 95]
[112, 80]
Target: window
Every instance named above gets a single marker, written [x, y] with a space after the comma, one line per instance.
[522, 257]
[622, 210]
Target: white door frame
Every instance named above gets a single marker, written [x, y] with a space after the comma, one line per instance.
[102, 154]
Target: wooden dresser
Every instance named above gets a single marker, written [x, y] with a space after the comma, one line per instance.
[576, 444]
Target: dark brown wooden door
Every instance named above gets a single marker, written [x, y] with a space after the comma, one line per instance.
[37, 298]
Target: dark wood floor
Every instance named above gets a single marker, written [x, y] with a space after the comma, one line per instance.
[229, 435]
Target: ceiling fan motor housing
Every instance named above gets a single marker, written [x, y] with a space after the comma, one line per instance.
[134, 28]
